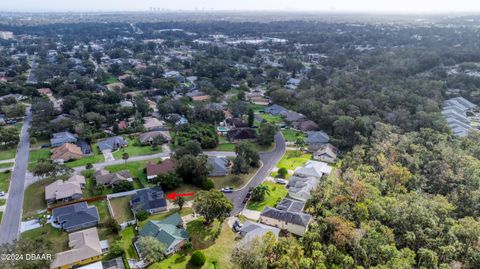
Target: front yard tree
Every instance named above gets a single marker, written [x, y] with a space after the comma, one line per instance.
[251, 117]
[248, 153]
[125, 157]
[151, 249]
[193, 169]
[282, 172]
[259, 192]
[212, 205]
[168, 181]
[266, 134]
[179, 201]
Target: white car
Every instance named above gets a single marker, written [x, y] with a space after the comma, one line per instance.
[2, 193]
[227, 190]
[280, 181]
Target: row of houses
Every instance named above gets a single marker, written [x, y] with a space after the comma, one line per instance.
[288, 214]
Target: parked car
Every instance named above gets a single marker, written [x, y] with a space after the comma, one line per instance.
[246, 199]
[280, 181]
[227, 190]
[237, 225]
[2, 193]
[44, 146]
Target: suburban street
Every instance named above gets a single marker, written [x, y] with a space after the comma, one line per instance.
[269, 160]
[10, 225]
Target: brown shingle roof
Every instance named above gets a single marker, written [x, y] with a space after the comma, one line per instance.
[157, 169]
[67, 152]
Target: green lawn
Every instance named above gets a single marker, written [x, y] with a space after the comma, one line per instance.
[127, 235]
[293, 159]
[5, 180]
[271, 118]
[232, 180]
[3, 202]
[7, 153]
[1, 215]
[137, 169]
[121, 209]
[102, 208]
[111, 80]
[291, 135]
[217, 251]
[230, 147]
[57, 237]
[37, 155]
[6, 165]
[277, 193]
[135, 149]
[35, 198]
[156, 217]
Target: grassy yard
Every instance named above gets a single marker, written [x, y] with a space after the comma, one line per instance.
[134, 148]
[1, 216]
[35, 198]
[121, 209]
[110, 80]
[97, 157]
[137, 169]
[5, 181]
[230, 147]
[7, 153]
[291, 135]
[37, 155]
[3, 202]
[6, 165]
[271, 118]
[217, 251]
[102, 208]
[232, 180]
[127, 235]
[156, 217]
[277, 192]
[57, 237]
[293, 159]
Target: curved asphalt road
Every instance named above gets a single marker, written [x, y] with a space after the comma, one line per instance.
[10, 226]
[269, 160]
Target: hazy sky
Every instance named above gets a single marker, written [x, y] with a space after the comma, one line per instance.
[290, 5]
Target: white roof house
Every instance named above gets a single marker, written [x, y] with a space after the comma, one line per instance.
[300, 187]
[313, 169]
[251, 230]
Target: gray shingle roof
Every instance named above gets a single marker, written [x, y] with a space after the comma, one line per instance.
[112, 143]
[301, 219]
[75, 215]
[317, 138]
[290, 205]
[148, 199]
[218, 166]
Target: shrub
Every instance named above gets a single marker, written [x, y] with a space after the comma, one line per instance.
[208, 185]
[282, 172]
[88, 166]
[142, 215]
[198, 258]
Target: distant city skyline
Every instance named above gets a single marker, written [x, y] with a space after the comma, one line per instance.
[404, 6]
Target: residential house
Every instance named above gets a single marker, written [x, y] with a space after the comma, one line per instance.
[103, 177]
[251, 230]
[275, 110]
[84, 147]
[292, 116]
[300, 187]
[61, 138]
[151, 200]
[75, 217]
[153, 170]
[112, 143]
[234, 123]
[169, 231]
[242, 134]
[218, 167]
[126, 103]
[290, 205]
[315, 140]
[455, 113]
[152, 124]
[85, 248]
[293, 222]
[305, 126]
[61, 191]
[326, 153]
[66, 152]
[293, 83]
[148, 137]
[115, 86]
[313, 169]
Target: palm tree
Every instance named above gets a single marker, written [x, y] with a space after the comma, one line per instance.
[258, 193]
[180, 201]
[43, 221]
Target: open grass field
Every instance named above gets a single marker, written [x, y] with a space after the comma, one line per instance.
[57, 237]
[121, 209]
[35, 198]
[291, 135]
[37, 155]
[135, 149]
[232, 180]
[5, 181]
[293, 159]
[277, 193]
[217, 250]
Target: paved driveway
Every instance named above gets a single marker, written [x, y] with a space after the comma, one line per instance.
[269, 160]
[10, 227]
